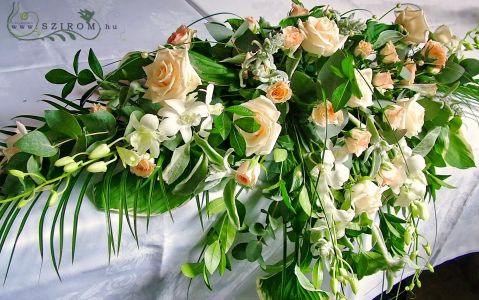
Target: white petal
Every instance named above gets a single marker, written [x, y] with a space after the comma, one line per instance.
[186, 133]
[169, 126]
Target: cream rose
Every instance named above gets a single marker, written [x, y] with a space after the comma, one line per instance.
[383, 81]
[262, 141]
[363, 78]
[292, 38]
[407, 115]
[248, 173]
[321, 36]
[144, 168]
[357, 141]
[322, 113]
[411, 67]
[444, 35]
[391, 175]
[366, 197]
[389, 54]
[181, 37]
[415, 23]
[437, 53]
[363, 49]
[170, 76]
[279, 92]
[298, 10]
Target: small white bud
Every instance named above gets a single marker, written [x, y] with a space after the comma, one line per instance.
[64, 161]
[97, 167]
[100, 151]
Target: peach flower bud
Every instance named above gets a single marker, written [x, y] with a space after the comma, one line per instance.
[411, 67]
[97, 107]
[248, 173]
[383, 81]
[321, 114]
[292, 38]
[279, 92]
[363, 49]
[436, 53]
[144, 168]
[182, 36]
[252, 24]
[298, 10]
[357, 141]
[389, 54]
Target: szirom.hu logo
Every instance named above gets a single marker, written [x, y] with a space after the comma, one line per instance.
[27, 26]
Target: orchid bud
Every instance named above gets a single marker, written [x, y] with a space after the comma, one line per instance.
[97, 167]
[418, 283]
[353, 281]
[64, 161]
[427, 249]
[100, 151]
[17, 173]
[334, 284]
[71, 167]
[53, 198]
[430, 267]
[422, 210]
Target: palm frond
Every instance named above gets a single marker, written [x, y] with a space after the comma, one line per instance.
[68, 103]
[77, 212]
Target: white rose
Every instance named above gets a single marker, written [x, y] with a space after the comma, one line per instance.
[357, 141]
[321, 36]
[444, 35]
[262, 141]
[415, 23]
[170, 76]
[363, 78]
[391, 175]
[366, 197]
[415, 163]
[248, 173]
[407, 115]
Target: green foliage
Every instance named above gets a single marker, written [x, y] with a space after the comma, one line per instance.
[36, 143]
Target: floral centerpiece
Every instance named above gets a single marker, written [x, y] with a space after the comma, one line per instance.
[340, 123]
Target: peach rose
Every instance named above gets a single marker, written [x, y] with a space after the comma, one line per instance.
[182, 36]
[436, 52]
[366, 197]
[279, 92]
[262, 141]
[391, 175]
[363, 49]
[357, 141]
[170, 76]
[415, 23]
[320, 114]
[298, 10]
[321, 36]
[389, 54]
[411, 67]
[383, 81]
[144, 168]
[292, 38]
[407, 115]
[248, 173]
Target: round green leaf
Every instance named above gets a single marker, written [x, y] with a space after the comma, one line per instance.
[36, 143]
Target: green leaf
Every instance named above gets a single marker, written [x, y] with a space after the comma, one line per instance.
[284, 194]
[68, 88]
[179, 162]
[63, 122]
[193, 181]
[59, 76]
[191, 270]
[86, 77]
[386, 36]
[471, 66]
[210, 152]
[223, 124]
[329, 81]
[247, 124]
[303, 280]
[36, 143]
[230, 202]
[341, 96]
[240, 110]
[427, 143]
[75, 61]
[304, 201]
[211, 71]
[213, 256]
[292, 62]
[459, 153]
[436, 112]
[237, 59]
[238, 143]
[303, 87]
[216, 206]
[100, 121]
[219, 31]
[94, 64]
[253, 250]
[450, 73]
[227, 233]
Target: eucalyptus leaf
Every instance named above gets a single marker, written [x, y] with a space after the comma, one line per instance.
[427, 143]
[219, 31]
[178, 163]
[386, 36]
[36, 143]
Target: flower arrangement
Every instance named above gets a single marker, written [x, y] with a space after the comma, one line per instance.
[340, 123]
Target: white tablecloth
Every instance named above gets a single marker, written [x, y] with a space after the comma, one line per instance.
[152, 272]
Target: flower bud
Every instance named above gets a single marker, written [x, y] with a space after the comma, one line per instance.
[280, 155]
[468, 46]
[71, 167]
[97, 167]
[430, 267]
[422, 210]
[407, 236]
[64, 161]
[427, 249]
[100, 151]
[17, 173]
[334, 284]
[353, 281]
[418, 283]
[413, 255]
[53, 198]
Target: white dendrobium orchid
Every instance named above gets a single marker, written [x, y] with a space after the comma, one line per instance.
[181, 115]
[147, 135]
[335, 172]
[213, 110]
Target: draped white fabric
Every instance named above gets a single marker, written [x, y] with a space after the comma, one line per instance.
[152, 271]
